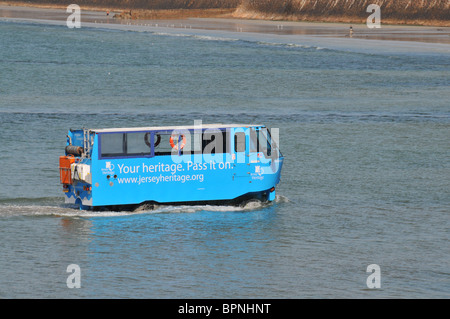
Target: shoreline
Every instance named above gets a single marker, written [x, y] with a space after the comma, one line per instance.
[330, 31]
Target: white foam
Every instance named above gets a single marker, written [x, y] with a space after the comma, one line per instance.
[10, 210]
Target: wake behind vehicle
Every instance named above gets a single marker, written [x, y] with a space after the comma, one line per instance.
[213, 163]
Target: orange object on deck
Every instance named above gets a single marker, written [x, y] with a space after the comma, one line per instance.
[65, 174]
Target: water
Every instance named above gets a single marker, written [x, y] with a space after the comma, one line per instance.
[365, 180]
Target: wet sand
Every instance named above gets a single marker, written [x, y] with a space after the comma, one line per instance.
[331, 35]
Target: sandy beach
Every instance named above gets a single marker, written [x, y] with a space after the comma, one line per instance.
[330, 35]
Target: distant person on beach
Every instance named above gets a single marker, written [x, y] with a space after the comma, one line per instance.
[351, 31]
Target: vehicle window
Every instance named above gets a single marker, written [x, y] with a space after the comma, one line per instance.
[163, 147]
[136, 144]
[123, 144]
[112, 144]
[265, 142]
[239, 142]
[214, 142]
[260, 141]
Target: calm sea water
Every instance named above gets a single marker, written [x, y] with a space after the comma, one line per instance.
[366, 180]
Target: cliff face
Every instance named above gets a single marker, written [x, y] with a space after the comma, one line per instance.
[431, 12]
[392, 11]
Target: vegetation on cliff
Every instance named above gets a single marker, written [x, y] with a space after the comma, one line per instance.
[393, 11]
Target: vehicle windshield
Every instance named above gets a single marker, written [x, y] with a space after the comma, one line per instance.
[262, 141]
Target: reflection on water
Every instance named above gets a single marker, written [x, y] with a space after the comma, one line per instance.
[161, 253]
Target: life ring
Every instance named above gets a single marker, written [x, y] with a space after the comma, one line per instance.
[147, 141]
[178, 146]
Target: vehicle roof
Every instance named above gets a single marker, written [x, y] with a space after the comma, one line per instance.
[171, 128]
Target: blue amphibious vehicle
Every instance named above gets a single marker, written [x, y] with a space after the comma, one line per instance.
[214, 163]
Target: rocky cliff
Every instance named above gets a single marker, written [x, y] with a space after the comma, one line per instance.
[392, 11]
